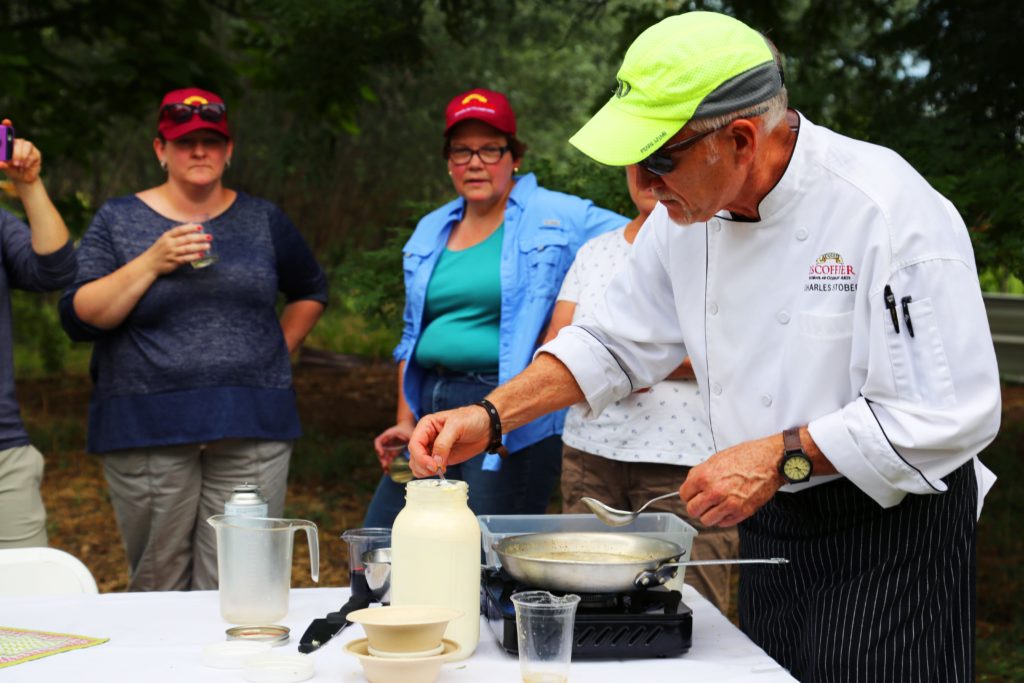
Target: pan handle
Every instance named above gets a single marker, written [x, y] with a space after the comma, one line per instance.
[663, 572]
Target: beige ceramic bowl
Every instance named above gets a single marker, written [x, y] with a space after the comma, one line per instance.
[402, 669]
[405, 628]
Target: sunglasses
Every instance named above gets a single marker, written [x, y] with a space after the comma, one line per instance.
[661, 162]
[213, 112]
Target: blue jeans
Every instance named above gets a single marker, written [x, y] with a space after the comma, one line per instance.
[524, 483]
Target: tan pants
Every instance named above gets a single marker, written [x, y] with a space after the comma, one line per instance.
[22, 514]
[163, 496]
[627, 486]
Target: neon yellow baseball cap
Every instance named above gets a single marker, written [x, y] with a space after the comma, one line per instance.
[691, 65]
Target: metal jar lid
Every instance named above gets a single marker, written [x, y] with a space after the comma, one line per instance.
[275, 634]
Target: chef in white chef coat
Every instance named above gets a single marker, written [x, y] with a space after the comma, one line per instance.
[829, 301]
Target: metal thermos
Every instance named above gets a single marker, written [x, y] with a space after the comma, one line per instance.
[246, 501]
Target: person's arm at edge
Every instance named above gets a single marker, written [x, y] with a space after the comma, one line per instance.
[453, 436]
[49, 233]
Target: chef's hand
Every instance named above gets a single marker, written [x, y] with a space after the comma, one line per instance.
[448, 437]
[732, 484]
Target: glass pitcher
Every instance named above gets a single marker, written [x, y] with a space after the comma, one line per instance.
[254, 563]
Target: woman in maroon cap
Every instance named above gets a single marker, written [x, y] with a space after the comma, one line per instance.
[481, 275]
[177, 287]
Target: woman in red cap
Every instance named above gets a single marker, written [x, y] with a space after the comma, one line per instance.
[481, 275]
[177, 287]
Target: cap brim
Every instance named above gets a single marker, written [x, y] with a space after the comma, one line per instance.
[616, 138]
[195, 123]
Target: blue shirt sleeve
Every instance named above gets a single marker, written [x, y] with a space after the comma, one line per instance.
[96, 259]
[25, 268]
[299, 276]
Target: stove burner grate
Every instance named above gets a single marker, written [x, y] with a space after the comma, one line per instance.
[633, 625]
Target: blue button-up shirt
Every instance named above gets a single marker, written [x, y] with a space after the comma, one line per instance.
[543, 230]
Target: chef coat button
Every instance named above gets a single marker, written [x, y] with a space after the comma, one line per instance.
[801, 234]
[715, 226]
[716, 389]
[713, 308]
[782, 317]
[766, 400]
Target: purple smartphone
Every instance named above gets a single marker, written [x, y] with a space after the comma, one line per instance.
[6, 142]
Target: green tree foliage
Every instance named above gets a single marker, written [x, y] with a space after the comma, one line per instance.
[74, 69]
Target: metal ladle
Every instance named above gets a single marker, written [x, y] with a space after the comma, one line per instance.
[614, 517]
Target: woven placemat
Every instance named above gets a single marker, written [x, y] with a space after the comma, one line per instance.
[19, 645]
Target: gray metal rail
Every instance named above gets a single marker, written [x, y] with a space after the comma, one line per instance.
[1006, 318]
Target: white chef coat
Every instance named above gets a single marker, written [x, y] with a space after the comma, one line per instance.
[785, 322]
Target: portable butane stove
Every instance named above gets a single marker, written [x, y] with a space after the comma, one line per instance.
[632, 625]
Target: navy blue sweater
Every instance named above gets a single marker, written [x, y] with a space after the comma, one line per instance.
[202, 355]
[22, 269]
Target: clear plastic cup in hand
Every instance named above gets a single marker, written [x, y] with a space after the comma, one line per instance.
[544, 624]
[399, 470]
[209, 257]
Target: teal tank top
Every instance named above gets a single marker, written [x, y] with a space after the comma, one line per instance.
[462, 313]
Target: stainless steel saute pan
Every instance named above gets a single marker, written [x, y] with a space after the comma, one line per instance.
[599, 562]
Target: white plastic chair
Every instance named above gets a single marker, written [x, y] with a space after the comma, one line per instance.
[43, 571]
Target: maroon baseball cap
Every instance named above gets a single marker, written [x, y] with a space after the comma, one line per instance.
[188, 109]
[483, 105]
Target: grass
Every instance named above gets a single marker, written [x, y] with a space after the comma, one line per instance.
[342, 331]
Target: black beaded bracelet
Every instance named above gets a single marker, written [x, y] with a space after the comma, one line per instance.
[494, 445]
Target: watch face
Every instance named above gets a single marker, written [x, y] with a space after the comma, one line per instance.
[796, 469]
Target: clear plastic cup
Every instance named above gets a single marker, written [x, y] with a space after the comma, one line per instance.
[359, 542]
[209, 256]
[544, 624]
[399, 470]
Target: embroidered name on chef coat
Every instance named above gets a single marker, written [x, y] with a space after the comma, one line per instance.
[830, 273]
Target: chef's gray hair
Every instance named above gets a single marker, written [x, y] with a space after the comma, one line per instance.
[771, 112]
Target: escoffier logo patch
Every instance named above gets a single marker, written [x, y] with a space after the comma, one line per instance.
[831, 273]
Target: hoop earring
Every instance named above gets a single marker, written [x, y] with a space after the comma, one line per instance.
[163, 165]
[515, 169]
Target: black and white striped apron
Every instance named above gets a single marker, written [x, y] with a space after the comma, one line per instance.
[871, 595]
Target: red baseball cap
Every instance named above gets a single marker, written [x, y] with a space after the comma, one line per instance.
[185, 110]
[483, 105]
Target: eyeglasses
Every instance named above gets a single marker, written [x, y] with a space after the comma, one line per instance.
[460, 156]
[180, 113]
[660, 162]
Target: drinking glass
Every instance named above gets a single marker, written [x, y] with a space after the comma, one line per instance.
[544, 624]
[399, 469]
[210, 257]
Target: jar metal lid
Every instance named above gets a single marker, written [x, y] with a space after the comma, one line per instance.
[275, 634]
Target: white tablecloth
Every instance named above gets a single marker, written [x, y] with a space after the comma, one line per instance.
[159, 637]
